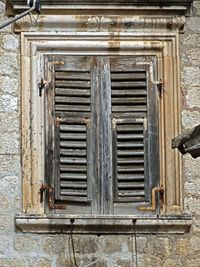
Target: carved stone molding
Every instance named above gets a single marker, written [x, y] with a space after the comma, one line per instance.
[162, 47]
[100, 23]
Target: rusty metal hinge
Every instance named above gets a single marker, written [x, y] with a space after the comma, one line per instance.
[41, 86]
[160, 87]
[155, 190]
[50, 195]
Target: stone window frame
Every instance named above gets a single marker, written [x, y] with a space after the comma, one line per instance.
[162, 44]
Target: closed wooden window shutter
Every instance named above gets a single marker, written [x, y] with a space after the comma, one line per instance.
[135, 133]
[72, 105]
[103, 134]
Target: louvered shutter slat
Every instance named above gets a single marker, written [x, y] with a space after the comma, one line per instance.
[129, 100]
[72, 92]
[72, 100]
[129, 94]
[73, 166]
[72, 84]
[130, 164]
[68, 96]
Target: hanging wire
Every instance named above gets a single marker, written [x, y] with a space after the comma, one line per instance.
[72, 242]
[134, 240]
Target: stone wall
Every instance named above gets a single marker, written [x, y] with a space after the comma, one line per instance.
[20, 250]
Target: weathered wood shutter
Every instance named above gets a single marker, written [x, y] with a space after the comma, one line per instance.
[72, 129]
[134, 123]
[104, 136]
[129, 145]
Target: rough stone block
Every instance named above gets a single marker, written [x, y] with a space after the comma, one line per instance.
[193, 96]
[182, 247]
[53, 245]
[141, 244]
[192, 205]
[160, 247]
[10, 164]
[192, 188]
[9, 85]
[8, 103]
[194, 244]
[111, 244]
[96, 262]
[190, 118]
[83, 261]
[172, 263]
[189, 40]
[9, 143]
[26, 244]
[12, 262]
[10, 42]
[196, 9]
[41, 262]
[191, 169]
[4, 202]
[2, 8]
[10, 122]
[9, 184]
[124, 263]
[5, 223]
[193, 24]
[5, 245]
[194, 56]
[193, 262]
[9, 64]
[85, 244]
[190, 76]
[150, 261]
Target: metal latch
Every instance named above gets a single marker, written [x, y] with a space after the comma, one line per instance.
[155, 190]
[50, 195]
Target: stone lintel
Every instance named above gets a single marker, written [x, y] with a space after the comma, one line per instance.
[139, 5]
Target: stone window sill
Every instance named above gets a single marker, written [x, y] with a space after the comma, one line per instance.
[103, 224]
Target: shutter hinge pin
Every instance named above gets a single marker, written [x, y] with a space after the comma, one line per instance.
[153, 206]
[160, 87]
[50, 195]
[41, 86]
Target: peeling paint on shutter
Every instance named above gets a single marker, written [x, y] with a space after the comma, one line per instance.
[72, 127]
[129, 92]
[129, 111]
[72, 178]
[129, 143]
[72, 94]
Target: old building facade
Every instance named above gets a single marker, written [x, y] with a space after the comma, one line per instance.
[159, 46]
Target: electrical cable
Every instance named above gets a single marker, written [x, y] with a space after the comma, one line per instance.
[34, 6]
[134, 240]
[72, 242]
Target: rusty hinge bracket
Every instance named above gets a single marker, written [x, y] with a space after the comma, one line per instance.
[50, 195]
[41, 86]
[87, 122]
[155, 190]
[160, 87]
